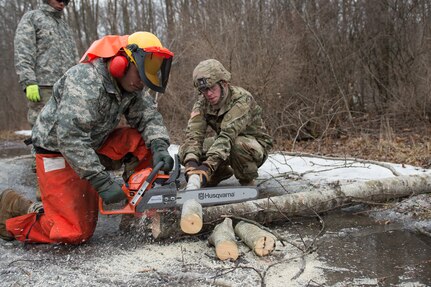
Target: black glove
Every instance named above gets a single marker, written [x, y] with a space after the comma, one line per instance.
[159, 149]
[108, 189]
[203, 171]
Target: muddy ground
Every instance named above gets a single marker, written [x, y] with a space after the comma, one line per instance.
[362, 245]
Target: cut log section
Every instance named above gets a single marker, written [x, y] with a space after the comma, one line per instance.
[223, 239]
[259, 240]
[191, 217]
[164, 224]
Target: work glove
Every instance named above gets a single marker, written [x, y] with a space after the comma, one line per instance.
[191, 164]
[159, 149]
[32, 93]
[203, 171]
[109, 190]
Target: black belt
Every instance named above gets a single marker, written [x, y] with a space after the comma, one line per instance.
[41, 150]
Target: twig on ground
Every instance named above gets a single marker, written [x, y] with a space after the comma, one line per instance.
[382, 164]
[26, 260]
[322, 223]
[423, 231]
[232, 269]
[301, 269]
[296, 229]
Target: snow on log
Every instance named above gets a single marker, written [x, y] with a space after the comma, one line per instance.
[223, 239]
[191, 217]
[260, 241]
[320, 200]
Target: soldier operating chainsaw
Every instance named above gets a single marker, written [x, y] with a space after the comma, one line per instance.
[241, 143]
[76, 139]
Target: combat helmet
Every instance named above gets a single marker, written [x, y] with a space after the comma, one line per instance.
[208, 73]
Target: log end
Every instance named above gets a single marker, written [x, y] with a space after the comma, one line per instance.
[227, 250]
[264, 246]
[191, 224]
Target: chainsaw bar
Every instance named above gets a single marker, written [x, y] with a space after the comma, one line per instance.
[168, 196]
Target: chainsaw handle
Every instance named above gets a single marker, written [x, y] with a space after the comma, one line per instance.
[130, 208]
[155, 171]
[147, 183]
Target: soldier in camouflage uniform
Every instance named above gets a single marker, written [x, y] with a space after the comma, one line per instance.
[76, 139]
[241, 143]
[44, 51]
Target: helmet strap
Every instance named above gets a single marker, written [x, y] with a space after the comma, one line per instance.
[223, 96]
[221, 90]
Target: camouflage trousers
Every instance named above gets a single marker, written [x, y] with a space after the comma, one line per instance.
[34, 108]
[246, 156]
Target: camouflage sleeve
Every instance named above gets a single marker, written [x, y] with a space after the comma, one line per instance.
[143, 115]
[195, 135]
[76, 113]
[234, 122]
[25, 51]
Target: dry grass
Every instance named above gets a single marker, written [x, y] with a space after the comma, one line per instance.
[404, 148]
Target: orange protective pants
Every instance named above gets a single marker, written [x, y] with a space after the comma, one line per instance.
[71, 203]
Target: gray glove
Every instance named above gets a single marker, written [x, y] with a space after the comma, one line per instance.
[107, 188]
[159, 149]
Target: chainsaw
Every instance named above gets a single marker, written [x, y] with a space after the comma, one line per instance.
[148, 189]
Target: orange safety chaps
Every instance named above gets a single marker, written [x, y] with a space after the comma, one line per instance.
[71, 203]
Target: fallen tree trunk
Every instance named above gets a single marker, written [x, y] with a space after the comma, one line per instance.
[277, 208]
[308, 203]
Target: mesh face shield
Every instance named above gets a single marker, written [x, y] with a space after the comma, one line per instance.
[154, 65]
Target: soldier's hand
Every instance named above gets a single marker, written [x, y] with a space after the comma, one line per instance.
[203, 171]
[107, 188]
[32, 93]
[190, 165]
[159, 149]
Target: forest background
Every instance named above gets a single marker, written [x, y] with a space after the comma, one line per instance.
[340, 77]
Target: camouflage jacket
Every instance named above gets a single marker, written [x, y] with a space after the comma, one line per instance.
[85, 107]
[44, 47]
[239, 115]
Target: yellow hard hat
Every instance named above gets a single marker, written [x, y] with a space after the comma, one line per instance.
[153, 61]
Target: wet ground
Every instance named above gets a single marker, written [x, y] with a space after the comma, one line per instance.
[9, 149]
[355, 246]
[363, 252]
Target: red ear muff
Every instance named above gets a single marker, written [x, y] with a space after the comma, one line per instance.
[118, 66]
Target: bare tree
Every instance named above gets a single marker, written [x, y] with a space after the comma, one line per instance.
[316, 67]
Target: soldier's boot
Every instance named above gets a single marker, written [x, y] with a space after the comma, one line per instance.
[222, 173]
[12, 204]
[247, 182]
